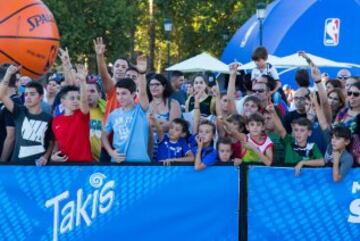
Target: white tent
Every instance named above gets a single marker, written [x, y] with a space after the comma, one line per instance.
[200, 63]
[295, 60]
[272, 59]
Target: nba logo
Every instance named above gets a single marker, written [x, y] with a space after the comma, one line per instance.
[332, 32]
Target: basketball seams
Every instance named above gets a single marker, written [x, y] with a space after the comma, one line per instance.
[28, 37]
[18, 11]
[18, 63]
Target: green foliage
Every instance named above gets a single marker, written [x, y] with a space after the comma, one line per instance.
[198, 25]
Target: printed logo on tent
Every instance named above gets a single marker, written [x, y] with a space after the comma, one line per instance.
[332, 32]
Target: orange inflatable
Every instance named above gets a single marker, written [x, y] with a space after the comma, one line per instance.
[28, 36]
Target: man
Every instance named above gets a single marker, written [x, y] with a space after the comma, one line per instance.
[343, 75]
[97, 110]
[177, 80]
[71, 129]
[119, 69]
[52, 88]
[300, 97]
[32, 125]
[7, 124]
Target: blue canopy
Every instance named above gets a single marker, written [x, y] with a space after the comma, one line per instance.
[327, 28]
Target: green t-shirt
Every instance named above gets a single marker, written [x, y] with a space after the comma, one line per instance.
[279, 148]
[295, 153]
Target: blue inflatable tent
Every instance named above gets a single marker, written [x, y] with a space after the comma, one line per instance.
[327, 28]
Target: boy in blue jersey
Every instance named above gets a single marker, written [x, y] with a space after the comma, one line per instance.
[173, 146]
[129, 124]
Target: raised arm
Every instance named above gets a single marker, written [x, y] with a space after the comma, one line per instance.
[324, 124]
[156, 124]
[141, 65]
[7, 101]
[100, 49]
[325, 106]
[69, 76]
[231, 86]
[277, 122]
[81, 74]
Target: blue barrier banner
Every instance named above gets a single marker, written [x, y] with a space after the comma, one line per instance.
[309, 207]
[118, 203]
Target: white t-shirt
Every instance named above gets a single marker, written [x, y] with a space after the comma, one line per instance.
[268, 70]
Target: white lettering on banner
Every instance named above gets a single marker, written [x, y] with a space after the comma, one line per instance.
[73, 213]
[354, 216]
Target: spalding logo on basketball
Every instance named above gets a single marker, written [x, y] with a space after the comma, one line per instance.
[28, 36]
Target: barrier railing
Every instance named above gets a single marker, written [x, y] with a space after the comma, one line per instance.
[152, 202]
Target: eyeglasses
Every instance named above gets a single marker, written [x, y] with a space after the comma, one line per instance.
[154, 85]
[259, 91]
[355, 94]
[343, 77]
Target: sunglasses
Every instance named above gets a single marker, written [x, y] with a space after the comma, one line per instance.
[343, 77]
[355, 94]
[259, 91]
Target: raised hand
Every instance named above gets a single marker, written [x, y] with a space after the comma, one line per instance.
[233, 68]
[81, 72]
[99, 46]
[12, 69]
[303, 54]
[64, 56]
[141, 63]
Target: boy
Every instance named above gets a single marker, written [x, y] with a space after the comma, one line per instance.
[336, 154]
[202, 144]
[297, 148]
[173, 146]
[256, 145]
[260, 56]
[128, 123]
[224, 149]
[34, 140]
[71, 129]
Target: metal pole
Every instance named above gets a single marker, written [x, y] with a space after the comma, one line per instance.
[168, 55]
[261, 30]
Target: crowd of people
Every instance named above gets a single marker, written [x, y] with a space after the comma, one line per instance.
[126, 114]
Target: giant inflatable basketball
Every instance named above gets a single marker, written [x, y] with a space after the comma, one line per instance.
[28, 36]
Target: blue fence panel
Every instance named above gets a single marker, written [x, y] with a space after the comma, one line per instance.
[118, 203]
[309, 207]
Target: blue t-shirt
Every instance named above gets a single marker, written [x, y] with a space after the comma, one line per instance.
[131, 133]
[208, 154]
[168, 149]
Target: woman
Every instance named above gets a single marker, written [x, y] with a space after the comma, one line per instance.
[200, 86]
[347, 116]
[336, 100]
[332, 84]
[161, 106]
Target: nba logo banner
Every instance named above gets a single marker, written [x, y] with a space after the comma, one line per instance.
[332, 32]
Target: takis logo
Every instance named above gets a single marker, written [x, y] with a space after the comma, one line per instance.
[354, 217]
[70, 213]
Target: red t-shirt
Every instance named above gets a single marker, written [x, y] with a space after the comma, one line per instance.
[236, 148]
[73, 136]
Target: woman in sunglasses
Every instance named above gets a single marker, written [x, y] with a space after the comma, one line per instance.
[348, 115]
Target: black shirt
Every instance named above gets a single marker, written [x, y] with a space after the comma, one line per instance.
[33, 133]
